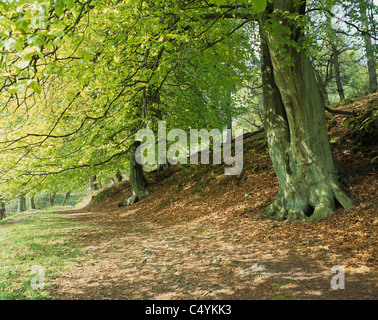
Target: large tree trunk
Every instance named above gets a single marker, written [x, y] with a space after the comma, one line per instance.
[137, 179]
[296, 129]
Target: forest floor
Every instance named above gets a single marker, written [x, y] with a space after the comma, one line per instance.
[203, 235]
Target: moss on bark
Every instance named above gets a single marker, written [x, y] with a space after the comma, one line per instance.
[296, 127]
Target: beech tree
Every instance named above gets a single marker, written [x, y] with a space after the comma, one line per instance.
[295, 121]
[2, 209]
[96, 73]
[21, 204]
[75, 92]
[32, 202]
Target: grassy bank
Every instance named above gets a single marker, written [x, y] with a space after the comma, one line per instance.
[42, 202]
[33, 246]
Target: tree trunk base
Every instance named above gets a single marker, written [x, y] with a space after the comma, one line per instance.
[133, 199]
[137, 180]
[293, 208]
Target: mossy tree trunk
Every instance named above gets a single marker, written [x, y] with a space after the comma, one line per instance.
[66, 197]
[52, 198]
[336, 66]
[137, 179]
[32, 203]
[307, 172]
[94, 184]
[21, 205]
[2, 210]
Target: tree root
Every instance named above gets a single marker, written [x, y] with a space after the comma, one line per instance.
[290, 210]
[133, 199]
[278, 211]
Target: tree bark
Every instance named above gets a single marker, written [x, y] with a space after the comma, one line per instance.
[21, 206]
[93, 183]
[323, 87]
[137, 179]
[2, 210]
[66, 197]
[373, 83]
[296, 128]
[32, 203]
[119, 177]
[336, 65]
[52, 198]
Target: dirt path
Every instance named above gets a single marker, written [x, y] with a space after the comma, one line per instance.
[202, 235]
[130, 259]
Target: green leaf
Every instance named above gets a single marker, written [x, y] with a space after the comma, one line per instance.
[12, 44]
[259, 5]
[22, 64]
[35, 86]
[59, 7]
[218, 3]
[70, 3]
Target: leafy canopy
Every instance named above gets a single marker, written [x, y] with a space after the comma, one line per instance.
[78, 79]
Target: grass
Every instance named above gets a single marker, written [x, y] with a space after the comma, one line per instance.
[281, 285]
[33, 240]
[42, 201]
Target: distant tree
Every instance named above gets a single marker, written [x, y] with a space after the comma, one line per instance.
[119, 177]
[21, 204]
[94, 183]
[137, 179]
[66, 197]
[52, 198]
[2, 209]
[368, 28]
[32, 202]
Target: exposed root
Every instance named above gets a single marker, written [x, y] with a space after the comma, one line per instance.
[342, 198]
[322, 211]
[290, 209]
[133, 199]
[278, 211]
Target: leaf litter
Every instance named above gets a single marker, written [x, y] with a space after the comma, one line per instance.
[207, 240]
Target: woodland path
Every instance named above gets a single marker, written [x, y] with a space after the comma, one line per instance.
[201, 235]
[130, 259]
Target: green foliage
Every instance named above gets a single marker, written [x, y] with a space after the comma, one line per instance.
[341, 24]
[41, 200]
[78, 79]
[258, 5]
[95, 72]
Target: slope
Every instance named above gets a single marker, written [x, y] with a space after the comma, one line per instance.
[203, 235]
